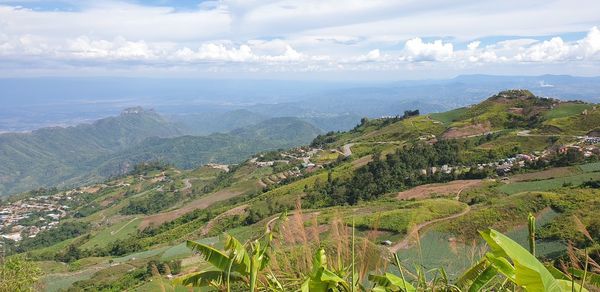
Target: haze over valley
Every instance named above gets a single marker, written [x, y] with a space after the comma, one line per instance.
[312, 146]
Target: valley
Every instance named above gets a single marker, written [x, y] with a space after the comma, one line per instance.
[417, 185]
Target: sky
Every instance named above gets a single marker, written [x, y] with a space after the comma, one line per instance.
[299, 39]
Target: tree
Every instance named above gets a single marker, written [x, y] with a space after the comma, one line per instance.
[72, 253]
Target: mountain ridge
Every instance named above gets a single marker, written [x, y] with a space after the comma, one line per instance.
[61, 156]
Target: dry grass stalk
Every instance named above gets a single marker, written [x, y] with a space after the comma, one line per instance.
[475, 252]
[315, 230]
[345, 238]
[300, 231]
[370, 256]
[335, 236]
[299, 219]
[579, 226]
[573, 257]
[453, 246]
[564, 268]
[594, 265]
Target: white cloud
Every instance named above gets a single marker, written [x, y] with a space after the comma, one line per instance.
[552, 50]
[417, 50]
[308, 35]
[473, 45]
[216, 52]
[371, 56]
[557, 50]
[589, 47]
[108, 20]
[119, 49]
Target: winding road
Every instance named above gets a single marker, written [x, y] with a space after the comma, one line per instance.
[405, 243]
[235, 211]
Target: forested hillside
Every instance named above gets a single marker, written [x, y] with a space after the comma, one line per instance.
[51, 156]
[112, 146]
[401, 196]
[193, 151]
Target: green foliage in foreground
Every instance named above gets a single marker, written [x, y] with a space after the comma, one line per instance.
[506, 267]
[18, 274]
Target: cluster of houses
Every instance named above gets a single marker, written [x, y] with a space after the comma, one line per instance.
[505, 166]
[303, 154]
[41, 213]
[586, 145]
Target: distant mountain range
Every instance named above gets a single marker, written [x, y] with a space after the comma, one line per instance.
[223, 105]
[90, 152]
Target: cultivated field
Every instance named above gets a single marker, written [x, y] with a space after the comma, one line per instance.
[441, 189]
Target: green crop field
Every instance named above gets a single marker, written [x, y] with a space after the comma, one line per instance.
[63, 281]
[441, 249]
[181, 250]
[525, 144]
[401, 220]
[590, 167]
[548, 184]
[53, 248]
[410, 128]
[326, 156]
[567, 109]
[578, 124]
[120, 230]
[141, 255]
[449, 116]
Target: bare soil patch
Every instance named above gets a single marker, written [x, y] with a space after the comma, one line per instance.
[91, 190]
[467, 131]
[426, 191]
[361, 161]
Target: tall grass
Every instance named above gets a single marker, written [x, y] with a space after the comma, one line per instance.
[344, 262]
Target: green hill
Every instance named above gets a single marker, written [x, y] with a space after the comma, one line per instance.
[51, 156]
[405, 185]
[112, 146]
[192, 151]
[216, 122]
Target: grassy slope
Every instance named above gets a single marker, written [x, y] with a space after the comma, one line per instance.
[567, 109]
[450, 116]
[576, 124]
[394, 216]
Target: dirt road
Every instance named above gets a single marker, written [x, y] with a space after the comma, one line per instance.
[426, 191]
[406, 242]
[231, 212]
[347, 149]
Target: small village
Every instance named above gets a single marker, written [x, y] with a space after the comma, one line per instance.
[29, 216]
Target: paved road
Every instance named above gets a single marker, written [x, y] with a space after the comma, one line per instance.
[347, 151]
